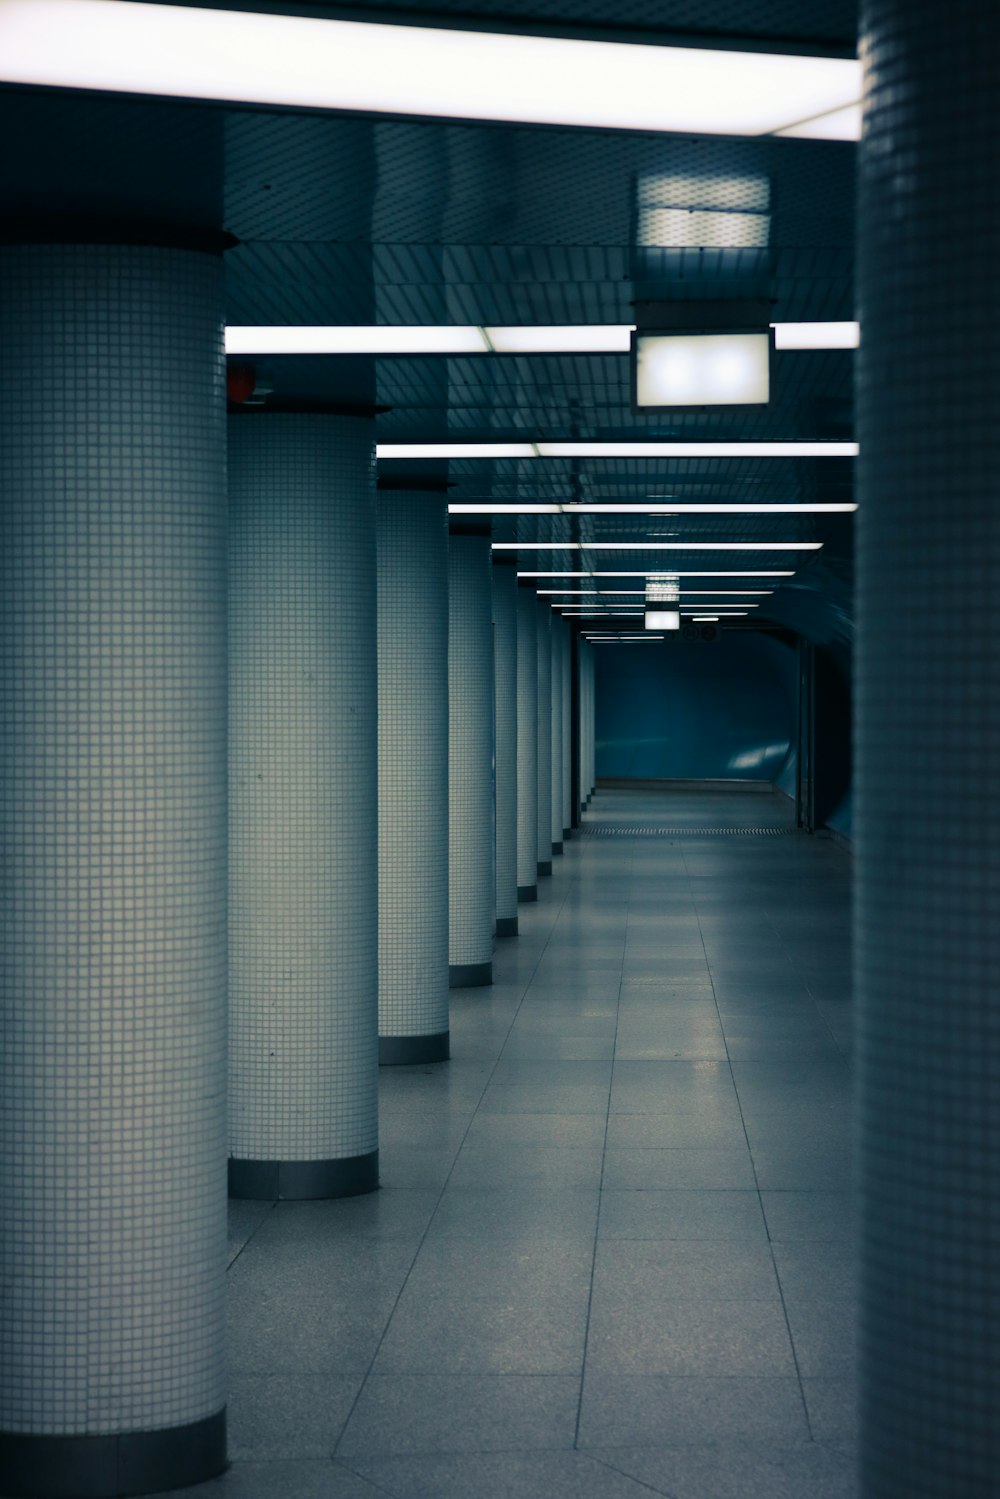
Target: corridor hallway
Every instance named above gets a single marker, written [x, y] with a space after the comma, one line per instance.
[612, 1252]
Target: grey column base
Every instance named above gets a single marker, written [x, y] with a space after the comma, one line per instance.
[135, 1462]
[302, 1181]
[545, 866]
[527, 892]
[567, 834]
[469, 975]
[402, 1051]
[557, 848]
[507, 925]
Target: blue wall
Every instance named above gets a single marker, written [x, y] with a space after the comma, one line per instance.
[687, 709]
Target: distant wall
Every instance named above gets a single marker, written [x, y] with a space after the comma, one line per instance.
[691, 710]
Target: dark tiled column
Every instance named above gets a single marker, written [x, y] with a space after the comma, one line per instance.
[470, 738]
[113, 827]
[928, 749]
[527, 745]
[557, 627]
[303, 821]
[505, 592]
[544, 721]
[413, 776]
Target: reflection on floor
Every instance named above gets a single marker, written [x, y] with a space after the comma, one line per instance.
[612, 1253]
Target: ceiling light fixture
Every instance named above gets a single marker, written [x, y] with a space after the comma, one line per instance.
[656, 546]
[311, 63]
[615, 449]
[399, 340]
[753, 573]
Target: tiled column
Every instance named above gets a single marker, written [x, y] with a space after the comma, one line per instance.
[413, 776]
[544, 855]
[586, 721]
[928, 748]
[527, 745]
[567, 731]
[470, 749]
[303, 828]
[557, 627]
[113, 829]
[505, 592]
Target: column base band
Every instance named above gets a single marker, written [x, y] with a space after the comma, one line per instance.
[545, 866]
[507, 925]
[567, 834]
[134, 1462]
[557, 848]
[302, 1181]
[527, 892]
[469, 975]
[403, 1051]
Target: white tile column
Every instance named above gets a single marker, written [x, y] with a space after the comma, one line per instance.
[303, 823]
[113, 829]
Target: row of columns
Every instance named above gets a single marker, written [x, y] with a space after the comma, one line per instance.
[265, 745]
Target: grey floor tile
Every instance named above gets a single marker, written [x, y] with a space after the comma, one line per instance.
[499, 1165]
[677, 1131]
[456, 1334]
[244, 1219]
[277, 1324]
[824, 1333]
[503, 1269]
[316, 1479]
[832, 1403]
[809, 1215]
[536, 1071]
[522, 1212]
[554, 1131]
[656, 1410]
[536, 1098]
[793, 1169]
[277, 1416]
[383, 1215]
[811, 1270]
[436, 1414]
[680, 1214]
[654, 1270]
[501, 1475]
[679, 1167]
[414, 1166]
[696, 1336]
[740, 1471]
[557, 1047]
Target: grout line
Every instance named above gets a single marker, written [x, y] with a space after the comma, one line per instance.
[604, 1153]
[444, 1187]
[253, 1233]
[760, 1199]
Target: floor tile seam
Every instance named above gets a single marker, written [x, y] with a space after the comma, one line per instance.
[253, 1234]
[444, 1187]
[767, 1227]
[640, 1482]
[600, 1185]
[378, 1487]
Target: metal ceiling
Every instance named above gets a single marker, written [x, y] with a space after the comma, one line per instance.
[344, 220]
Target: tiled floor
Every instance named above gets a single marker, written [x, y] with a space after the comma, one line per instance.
[612, 1253]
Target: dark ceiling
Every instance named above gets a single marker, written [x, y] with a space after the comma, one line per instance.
[346, 220]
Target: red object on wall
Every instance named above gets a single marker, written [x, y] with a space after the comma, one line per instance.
[241, 381]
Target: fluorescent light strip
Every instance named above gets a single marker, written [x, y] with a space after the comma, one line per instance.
[833, 508]
[753, 573]
[656, 546]
[704, 619]
[697, 449]
[460, 339]
[615, 449]
[311, 63]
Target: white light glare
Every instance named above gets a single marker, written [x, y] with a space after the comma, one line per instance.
[704, 619]
[403, 339]
[656, 546]
[662, 619]
[754, 573]
[311, 63]
[817, 335]
[614, 449]
[703, 369]
[838, 507]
